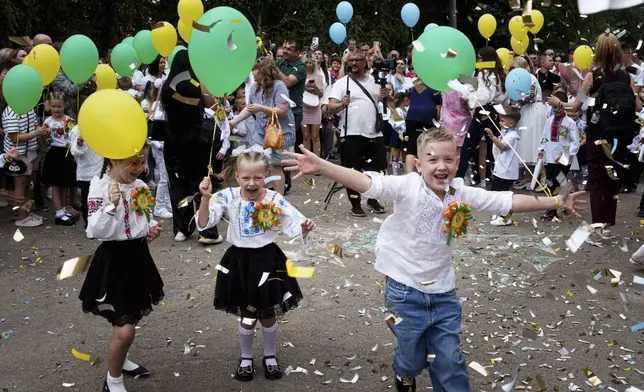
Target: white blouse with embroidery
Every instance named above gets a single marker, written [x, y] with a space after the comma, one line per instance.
[120, 222]
[241, 231]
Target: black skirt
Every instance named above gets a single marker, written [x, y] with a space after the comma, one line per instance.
[122, 282]
[238, 290]
[59, 168]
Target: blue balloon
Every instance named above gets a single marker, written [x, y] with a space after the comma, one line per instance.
[410, 14]
[344, 11]
[338, 32]
[518, 84]
[430, 26]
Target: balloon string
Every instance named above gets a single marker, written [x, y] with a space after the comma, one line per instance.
[545, 189]
[412, 34]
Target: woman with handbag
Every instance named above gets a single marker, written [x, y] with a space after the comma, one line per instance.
[272, 128]
[187, 148]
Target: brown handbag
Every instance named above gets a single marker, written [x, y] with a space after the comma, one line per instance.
[273, 136]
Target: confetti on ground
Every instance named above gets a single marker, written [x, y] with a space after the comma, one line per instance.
[80, 355]
[69, 385]
[479, 368]
[352, 381]
[17, 236]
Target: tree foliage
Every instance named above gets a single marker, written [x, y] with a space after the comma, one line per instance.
[107, 22]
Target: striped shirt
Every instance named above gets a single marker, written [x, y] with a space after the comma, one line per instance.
[21, 124]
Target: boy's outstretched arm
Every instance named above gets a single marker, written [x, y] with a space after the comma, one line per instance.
[568, 201]
[309, 163]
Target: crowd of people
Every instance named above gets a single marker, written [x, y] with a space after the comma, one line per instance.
[438, 147]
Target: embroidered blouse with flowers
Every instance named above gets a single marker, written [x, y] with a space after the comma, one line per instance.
[411, 245]
[129, 219]
[559, 134]
[60, 130]
[249, 223]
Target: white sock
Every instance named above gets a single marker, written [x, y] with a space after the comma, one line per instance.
[270, 343]
[394, 166]
[60, 213]
[115, 384]
[129, 365]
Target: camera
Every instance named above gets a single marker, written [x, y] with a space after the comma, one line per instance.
[380, 69]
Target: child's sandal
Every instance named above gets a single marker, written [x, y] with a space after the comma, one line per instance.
[245, 373]
[272, 372]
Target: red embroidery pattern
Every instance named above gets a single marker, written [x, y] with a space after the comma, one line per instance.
[126, 218]
[94, 204]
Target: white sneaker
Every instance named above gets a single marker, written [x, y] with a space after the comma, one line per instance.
[32, 220]
[211, 241]
[162, 213]
[499, 221]
[638, 257]
[607, 235]
[180, 237]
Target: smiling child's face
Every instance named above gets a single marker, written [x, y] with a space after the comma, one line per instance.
[437, 163]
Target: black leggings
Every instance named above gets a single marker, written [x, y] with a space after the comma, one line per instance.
[474, 135]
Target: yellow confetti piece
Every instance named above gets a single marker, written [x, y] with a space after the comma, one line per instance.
[298, 272]
[236, 20]
[194, 83]
[570, 293]
[162, 303]
[39, 260]
[22, 266]
[642, 222]
[379, 284]
[485, 64]
[80, 355]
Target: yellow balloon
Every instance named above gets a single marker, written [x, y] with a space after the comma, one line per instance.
[184, 30]
[583, 57]
[505, 56]
[190, 10]
[164, 38]
[105, 77]
[519, 47]
[537, 19]
[517, 28]
[487, 25]
[45, 60]
[112, 124]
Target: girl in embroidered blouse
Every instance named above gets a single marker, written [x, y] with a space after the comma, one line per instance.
[252, 282]
[122, 282]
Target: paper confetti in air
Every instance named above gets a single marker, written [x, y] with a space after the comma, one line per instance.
[263, 279]
[271, 179]
[418, 46]
[219, 267]
[298, 272]
[17, 236]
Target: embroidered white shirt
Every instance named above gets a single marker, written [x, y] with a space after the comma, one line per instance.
[115, 222]
[411, 247]
[59, 133]
[567, 140]
[241, 231]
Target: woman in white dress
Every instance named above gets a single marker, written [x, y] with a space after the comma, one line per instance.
[533, 119]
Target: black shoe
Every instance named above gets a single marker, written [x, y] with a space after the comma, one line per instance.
[105, 387]
[287, 188]
[137, 373]
[640, 213]
[245, 373]
[548, 216]
[65, 221]
[377, 208]
[272, 372]
[402, 386]
[358, 211]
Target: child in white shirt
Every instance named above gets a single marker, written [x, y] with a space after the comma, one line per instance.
[506, 159]
[88, 165]
[413, 251]
[559, 145]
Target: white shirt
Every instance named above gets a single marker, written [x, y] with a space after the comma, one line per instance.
[109, 222]
[638, 78]
[411, 247]
[506, 163]
[138, 79]
[250, 82]
[567, 139]
[362, 111]
[88, 163]
[241, 232]
[224, 127]
[484, 94]
[59, 131]
[406, 85]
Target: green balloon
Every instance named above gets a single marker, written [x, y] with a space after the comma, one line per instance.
[176, 50]
[79, 58]
[22, 88]
[433, 65]
[223, 57]
[128, 40]
[144, 48]
[124, 60]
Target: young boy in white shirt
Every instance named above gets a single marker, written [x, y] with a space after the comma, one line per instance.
[559, 145]
[506, 159]
[412, 250]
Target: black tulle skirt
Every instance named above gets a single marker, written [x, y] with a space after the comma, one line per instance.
[59, 168]
[238, 290]
[122, 282]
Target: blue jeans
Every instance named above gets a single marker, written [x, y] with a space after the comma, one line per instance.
[430, 324]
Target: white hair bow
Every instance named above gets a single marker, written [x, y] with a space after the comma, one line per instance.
[254, 148]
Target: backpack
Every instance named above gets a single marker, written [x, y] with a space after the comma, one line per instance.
[615, 106]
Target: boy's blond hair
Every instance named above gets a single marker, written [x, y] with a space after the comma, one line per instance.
[434, 135]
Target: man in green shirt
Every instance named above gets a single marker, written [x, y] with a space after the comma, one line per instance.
[293, 74]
